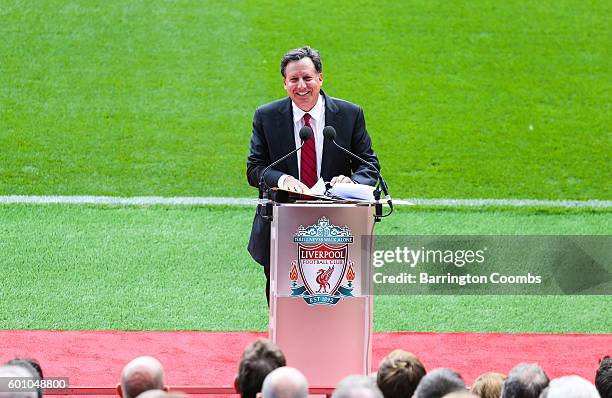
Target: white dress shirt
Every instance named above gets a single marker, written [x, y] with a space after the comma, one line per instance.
[317, 121]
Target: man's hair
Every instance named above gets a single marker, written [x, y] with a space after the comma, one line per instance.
[28, 361]
[603, 377]
[357, 386]
[399, 374]
[15, 371]
[299, 53]
[571, 387]
[438, 383]
[525, 380]
[285, 382]
[489, 385]
[32, 366]
[259, 359]
[140, 375]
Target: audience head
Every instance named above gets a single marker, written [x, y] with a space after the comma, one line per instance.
[285, 382]
[259, 359]
[30, 362]
[14, 371]
[357, 386]
[603, 377]
[140, 375]
[525, 380]
[162, 394]
[399, 374]
[488, 385]
[461, 394]
[571, 387]
[438, 383]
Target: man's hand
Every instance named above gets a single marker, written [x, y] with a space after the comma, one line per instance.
[293, 184]
[341, 179]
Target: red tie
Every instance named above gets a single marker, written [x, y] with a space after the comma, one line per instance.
[308, 158]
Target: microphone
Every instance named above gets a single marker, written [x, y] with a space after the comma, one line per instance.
[330, 133]
[305, 135]
[265, 205]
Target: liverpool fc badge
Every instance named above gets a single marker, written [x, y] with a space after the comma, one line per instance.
[322, 263]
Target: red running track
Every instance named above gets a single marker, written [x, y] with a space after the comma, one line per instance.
[95, 358]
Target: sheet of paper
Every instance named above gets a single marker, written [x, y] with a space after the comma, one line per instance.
[352, 191]
[317, 189]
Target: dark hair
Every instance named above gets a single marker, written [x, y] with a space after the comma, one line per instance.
[399, 374]
[259, 358]
[300, 53]
[438, 383]
[525, 380]
[603, 377]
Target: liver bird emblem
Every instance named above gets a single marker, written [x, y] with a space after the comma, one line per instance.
[323, 277]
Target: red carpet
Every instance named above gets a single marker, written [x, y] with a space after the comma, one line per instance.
[95, 358]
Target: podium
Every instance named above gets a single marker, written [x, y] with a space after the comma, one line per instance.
[320, 300]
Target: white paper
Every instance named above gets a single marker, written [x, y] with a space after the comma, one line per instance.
[352, 191]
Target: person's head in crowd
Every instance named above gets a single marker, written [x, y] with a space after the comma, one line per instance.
[488, 385]
[8, 372]
[571, 387]
[29, 361]
[140, 375]
[603, 377]
[162, 394]
[438, 383]
[525, 380]
[259, 359]
[285, 382]
[399, 374]
[461, 394]
[357, 386]
[32, 366]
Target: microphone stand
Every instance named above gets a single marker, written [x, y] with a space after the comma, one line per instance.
[380, 184]
[265, 204]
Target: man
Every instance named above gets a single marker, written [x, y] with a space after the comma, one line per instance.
[525, 380]
[438, 383]
[275, 133]
[357, 386]
[13, 372]
[258, 360]
[570, 387]
[285, 382]
[399, 374]
[603, 377]
[140, 375]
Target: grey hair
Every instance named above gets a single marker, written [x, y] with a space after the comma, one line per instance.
[357, 386]
[571, 387]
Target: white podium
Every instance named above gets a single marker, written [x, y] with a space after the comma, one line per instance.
[320, 300]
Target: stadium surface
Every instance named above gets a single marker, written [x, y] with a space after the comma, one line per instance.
[95, 358]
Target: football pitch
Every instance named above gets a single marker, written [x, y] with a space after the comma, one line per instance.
[482, 100]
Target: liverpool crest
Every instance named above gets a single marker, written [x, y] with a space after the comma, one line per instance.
[322, 263]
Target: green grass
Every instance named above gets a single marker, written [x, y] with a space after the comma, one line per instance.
[186, 268]
[483, 99]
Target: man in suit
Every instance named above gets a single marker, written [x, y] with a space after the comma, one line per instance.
[276, 127]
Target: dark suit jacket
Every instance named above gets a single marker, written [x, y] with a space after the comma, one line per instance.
[273, 137]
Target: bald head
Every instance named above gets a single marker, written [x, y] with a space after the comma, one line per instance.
[14, 371]
[285, 382]
[140, 375]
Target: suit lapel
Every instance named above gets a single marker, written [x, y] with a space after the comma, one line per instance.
[286, 138]
[334, 119]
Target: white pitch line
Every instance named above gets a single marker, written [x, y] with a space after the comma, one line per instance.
[212, 200]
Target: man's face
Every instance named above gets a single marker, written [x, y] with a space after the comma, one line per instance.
[303, 83]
